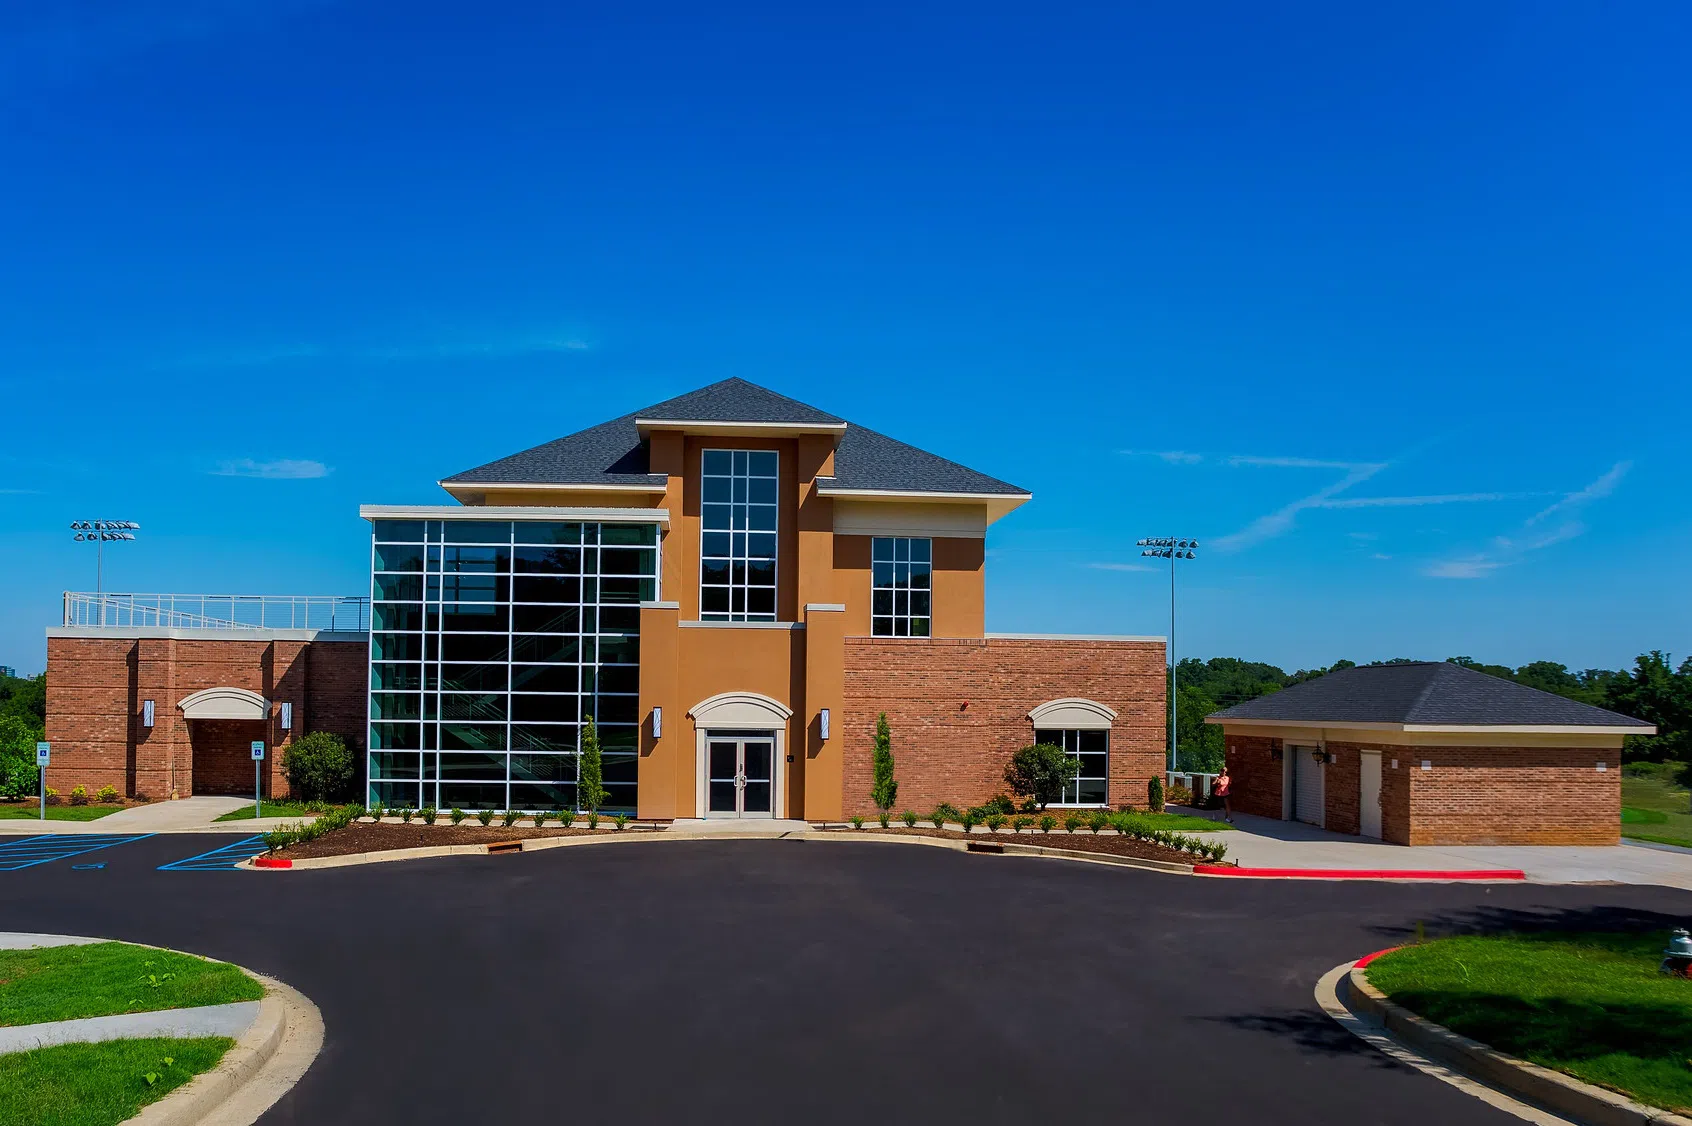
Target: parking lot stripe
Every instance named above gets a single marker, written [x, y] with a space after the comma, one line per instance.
[44, 850]
[227, 857]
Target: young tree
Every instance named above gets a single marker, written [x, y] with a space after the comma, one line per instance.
[1040, 771]
[590, 778]
[319, 767]
[884, 791]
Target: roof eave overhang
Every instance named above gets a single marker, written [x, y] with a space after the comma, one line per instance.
[482, 487]
[513, 512]
[1441, 728]
[743, 429]
[997, 504]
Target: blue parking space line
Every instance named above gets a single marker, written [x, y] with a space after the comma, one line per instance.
[228, 857]
[31, 851]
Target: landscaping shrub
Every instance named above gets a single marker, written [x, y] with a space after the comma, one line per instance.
[969, 819]
[1097, 820]
[457, 815]
[1154, 794]
[621, 821]
[1021, 824]
[593, 818]
[909, 818]
[427, 814]
[566, 817]
[1178, 795]
[540, 818]
[884, 818]
[338, 818]
[79, 795]
[998, 803]
[884, 790]
[1039, 771]
[1047, 823]
[52, 796]
[939, 816]
[590, 783]
[107, 795]
[18, 776]
[509, 818]
[995, 822]
[405, 816]
[376, 811]
[485, 816]
[857, 822]
[319, 767]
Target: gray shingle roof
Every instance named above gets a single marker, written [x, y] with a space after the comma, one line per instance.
[1425, 693]
[613, 453]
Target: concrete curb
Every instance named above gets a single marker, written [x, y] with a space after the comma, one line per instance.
[1563, 1094]
[540, 844]
[1424, 875]
[264, 1063]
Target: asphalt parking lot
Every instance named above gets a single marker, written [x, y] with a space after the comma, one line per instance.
[786, 980]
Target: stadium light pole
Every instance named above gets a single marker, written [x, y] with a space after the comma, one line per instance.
[1172, 550]
[98, 532]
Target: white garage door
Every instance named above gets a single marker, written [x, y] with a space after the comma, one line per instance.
[1307, 785]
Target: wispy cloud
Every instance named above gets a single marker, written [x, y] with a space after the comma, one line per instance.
[1120, 567]
[1411, 502]
[1299, 463]
[1173, 457]
[283, 469]
[1507, 550]
[1598, 490]
[1281, 520]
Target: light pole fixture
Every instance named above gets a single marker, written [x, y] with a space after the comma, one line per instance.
[1172, 550]
[98, 533]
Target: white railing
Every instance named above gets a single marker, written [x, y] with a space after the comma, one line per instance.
[340, 613]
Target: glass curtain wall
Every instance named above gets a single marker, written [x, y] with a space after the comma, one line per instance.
[491, 645]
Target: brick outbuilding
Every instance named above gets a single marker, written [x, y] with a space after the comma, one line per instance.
[1430, 753]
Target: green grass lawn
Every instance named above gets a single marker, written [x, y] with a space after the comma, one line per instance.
[271, 809]
[66, 982]
[1655, 809]
[30, 811]
[1184, 822]
[99, 1084]
[1592, 1005]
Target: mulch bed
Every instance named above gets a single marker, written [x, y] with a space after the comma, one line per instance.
[362, 836]
[1082, 841]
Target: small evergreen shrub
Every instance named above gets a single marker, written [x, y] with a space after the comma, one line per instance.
[999, 803]
[909, 818]
[428, 814]
[621, 821]
[509, 817]
[52, 796]
[79, 795]
[995, 822]
[107, 795]
[1154, 794]
[969, 819]
[1047, 822]
[593, 818]
[884, 817]
[1022, 824]
[540, 818]
[485, 816]
[1038, 772]
[1097, 820]
[457, 815]
[405, 816]
[884, 789]
[1072, 822]
[938, 817]
[319, 767]
[857, 822]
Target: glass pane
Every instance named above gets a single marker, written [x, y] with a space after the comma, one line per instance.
[473, 678]
[758, 758]
[557, 795]
[616, 709]
[544, 678]
[619, 678]
[476, 559]
[1091, 791]
[762, 463]
[402, 677]
[545, 709]
[545, 737]
[475, 588]
[1091, 742]
[919, 627]
[396, 615]
[402, 531]
[543, 648]
[463, 795]
[921, 550]
[627, 561]
[717, 461]
[724, 760]
[481, 706]
[757, 797]
[548, 589]
[548, 619]
[472, 737]
[394, 705]
[619, 650]
[399, 588]
[398, 557]
[390, 736]
[482, 766]
[470, 647]
[761, 490]
[477, 531]
[546, 531]
[720, 797]
[470, 617]
[549, 560]
[543, 768]
[881, 550]
[394, 795]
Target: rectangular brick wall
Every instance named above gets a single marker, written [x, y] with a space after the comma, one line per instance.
[944, 751]
[1471, 796]
[96, 686]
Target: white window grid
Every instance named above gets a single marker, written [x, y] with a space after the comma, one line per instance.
[901, 586]
[739, 532]
[509, 748]
[1090, 785]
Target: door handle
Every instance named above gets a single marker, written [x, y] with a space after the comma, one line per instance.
[740, 781]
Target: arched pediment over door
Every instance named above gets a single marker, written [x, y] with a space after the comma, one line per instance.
[224, 703]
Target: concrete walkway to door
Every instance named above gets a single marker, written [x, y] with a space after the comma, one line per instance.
[185, 815]
[1261, 842]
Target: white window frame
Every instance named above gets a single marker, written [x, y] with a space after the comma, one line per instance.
[744, 559]
[894, 619]
[1064, 733]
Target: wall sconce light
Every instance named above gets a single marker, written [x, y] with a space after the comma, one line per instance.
[822, 723]
[657, 723]
[146, 713]
[287, 717]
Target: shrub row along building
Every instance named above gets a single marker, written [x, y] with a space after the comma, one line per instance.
[731, 585]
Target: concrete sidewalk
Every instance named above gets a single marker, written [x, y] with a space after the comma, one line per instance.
[1261, 842]
[185, 815]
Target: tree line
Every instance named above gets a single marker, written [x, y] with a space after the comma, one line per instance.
[23, 722]
[1654, 690]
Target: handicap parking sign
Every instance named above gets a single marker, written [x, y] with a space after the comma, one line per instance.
[258, 749]
[43, 751]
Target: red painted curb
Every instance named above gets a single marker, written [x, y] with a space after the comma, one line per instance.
[1363, 873]
[1367, 958]
[272, 862]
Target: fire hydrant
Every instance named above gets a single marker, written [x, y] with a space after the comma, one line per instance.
[1677, 956]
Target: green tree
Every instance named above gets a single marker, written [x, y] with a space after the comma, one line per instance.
[590, 778]
[884, 791]
[1040, 771]
[25, 697]
[18, 777]
[1201, 742]
[319, 767]
[1657, 693]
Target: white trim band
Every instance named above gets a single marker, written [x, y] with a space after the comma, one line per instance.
[513, 512]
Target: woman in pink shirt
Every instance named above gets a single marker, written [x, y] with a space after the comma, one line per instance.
[1223, 785]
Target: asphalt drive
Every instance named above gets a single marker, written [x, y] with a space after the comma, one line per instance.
[807, 981]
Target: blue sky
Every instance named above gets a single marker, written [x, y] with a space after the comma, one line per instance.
[1388, 305]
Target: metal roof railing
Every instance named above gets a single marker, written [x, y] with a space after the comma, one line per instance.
[338, 613]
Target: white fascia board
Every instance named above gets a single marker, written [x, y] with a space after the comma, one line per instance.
[1440, 728]
[1072, 637]
[908, 494]
[554, 487]
[512, 512]
[722, 426]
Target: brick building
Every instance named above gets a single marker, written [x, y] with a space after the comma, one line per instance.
[731, 585]
[1430, 754]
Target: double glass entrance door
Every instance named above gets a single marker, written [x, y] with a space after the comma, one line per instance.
[739, 774]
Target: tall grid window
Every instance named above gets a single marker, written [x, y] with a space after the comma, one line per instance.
[902, 573]
[492, 643]
[737, 536]
[1088, 786]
